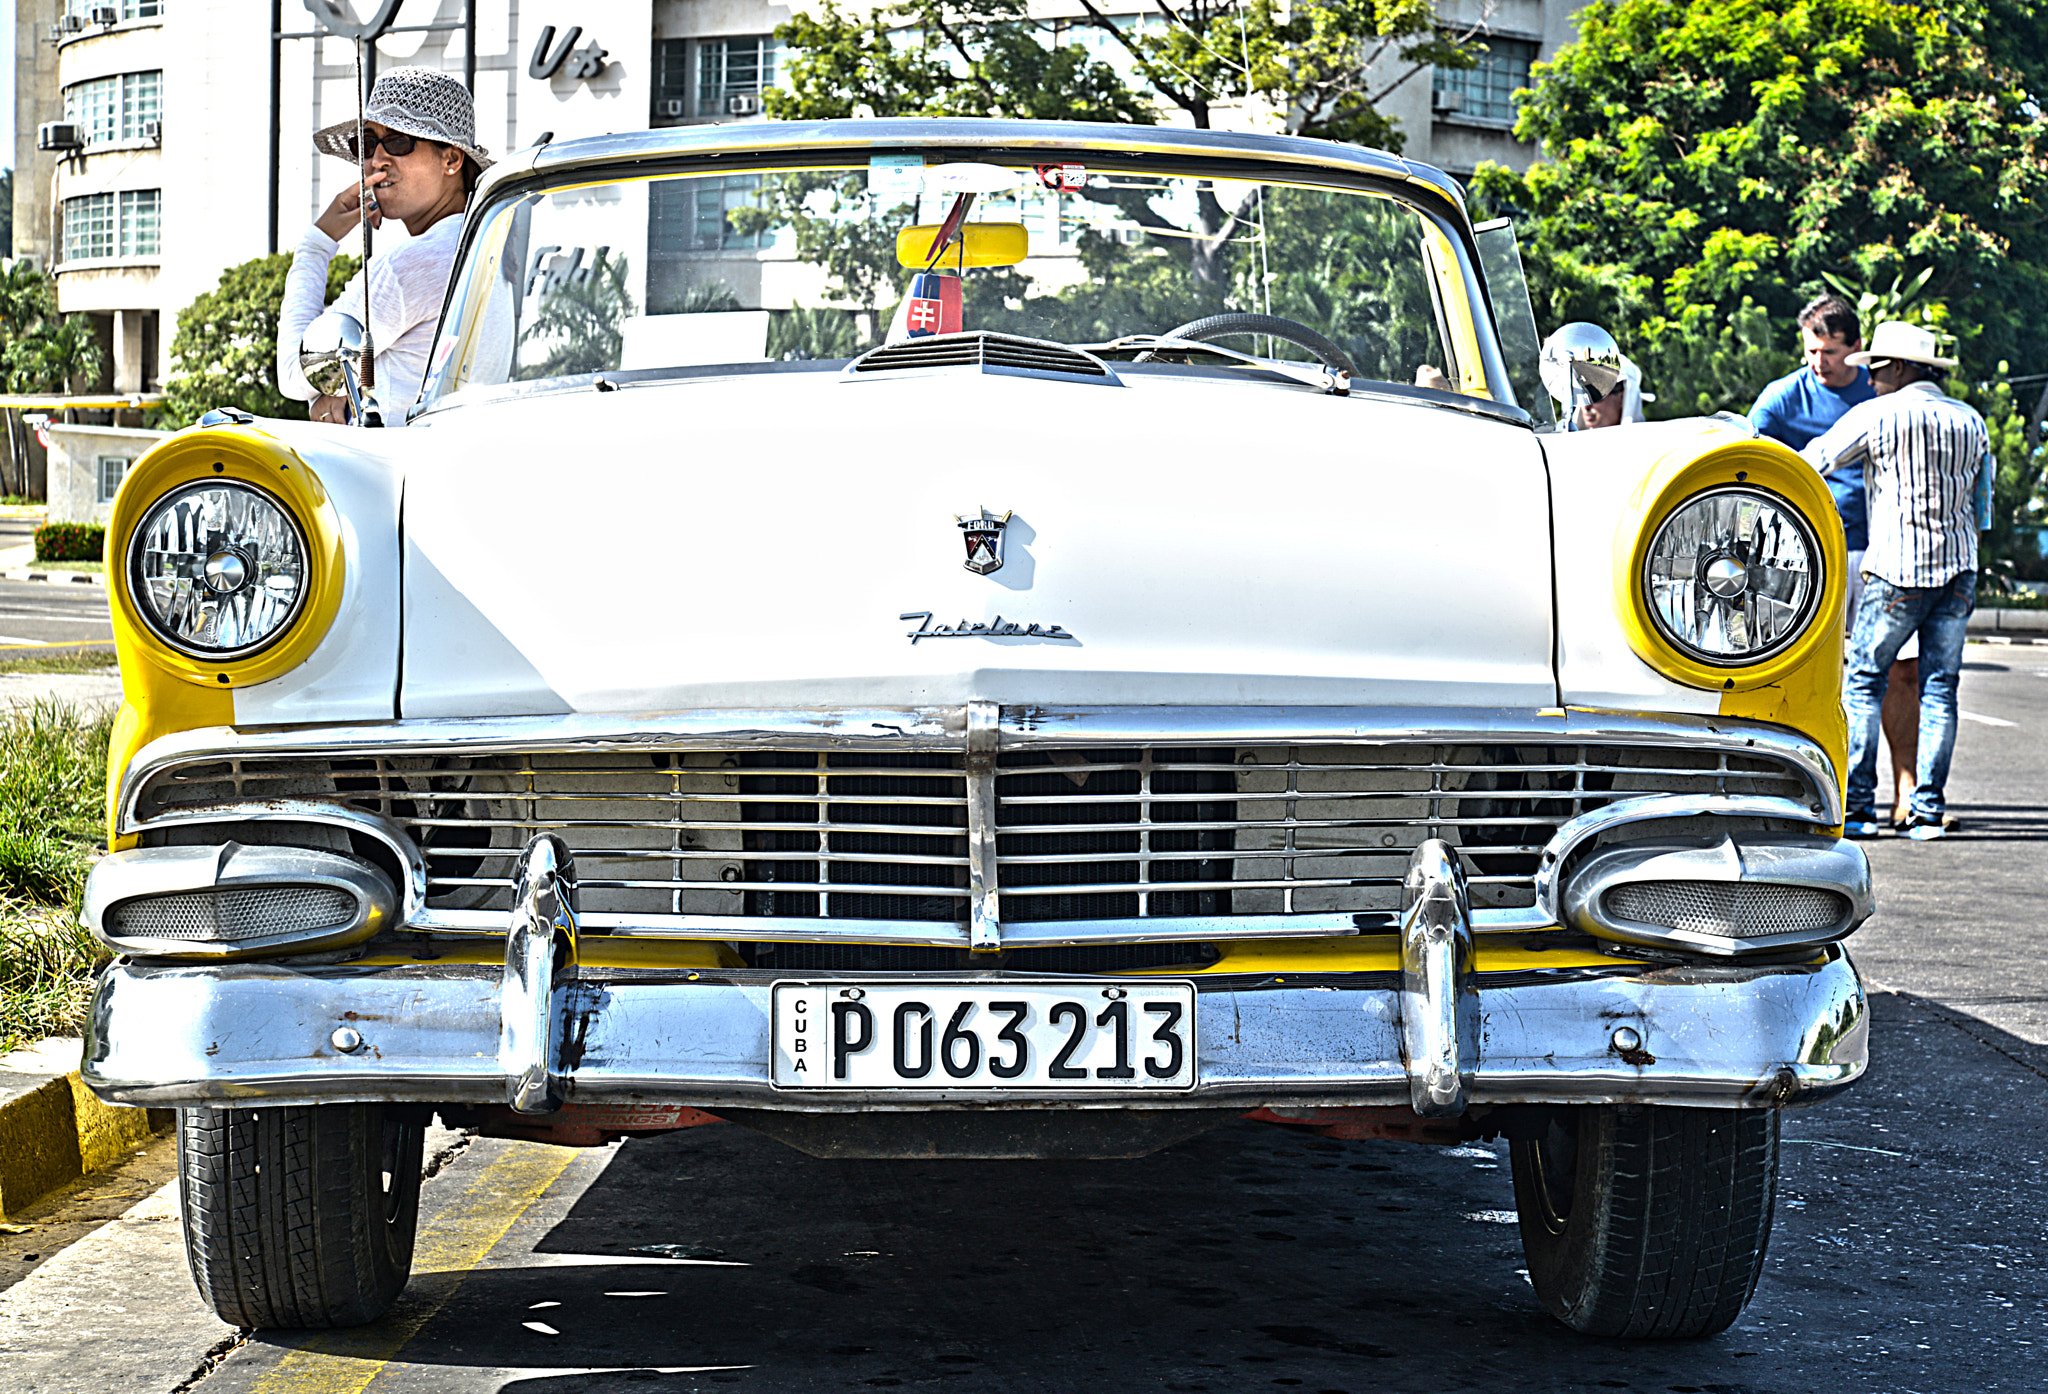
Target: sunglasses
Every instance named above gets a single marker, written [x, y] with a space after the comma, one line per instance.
[397, 144]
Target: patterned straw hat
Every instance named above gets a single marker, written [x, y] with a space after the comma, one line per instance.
[423, 102]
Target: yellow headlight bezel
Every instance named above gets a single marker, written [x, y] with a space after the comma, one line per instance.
[242, 455]
[1768, 468]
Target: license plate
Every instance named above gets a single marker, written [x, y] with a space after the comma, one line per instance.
[981, 1035]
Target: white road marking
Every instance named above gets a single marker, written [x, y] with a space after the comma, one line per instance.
[1985, 720]
[16, 639]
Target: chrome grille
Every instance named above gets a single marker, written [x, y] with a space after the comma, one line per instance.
[233, 914]
[1102, 834]
[1739, 910]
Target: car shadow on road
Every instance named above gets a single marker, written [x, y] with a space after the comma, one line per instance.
[1247, 1257]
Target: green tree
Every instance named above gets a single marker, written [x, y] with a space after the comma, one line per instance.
[1322, 66]
[40, 349]
[225, 351]
[1712, 159]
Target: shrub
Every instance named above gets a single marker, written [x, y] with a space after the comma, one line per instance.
[70, 542]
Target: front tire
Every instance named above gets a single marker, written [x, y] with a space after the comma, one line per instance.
[1647, 1220]
[300, 1217]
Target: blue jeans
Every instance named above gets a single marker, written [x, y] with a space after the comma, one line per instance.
[1887, 615]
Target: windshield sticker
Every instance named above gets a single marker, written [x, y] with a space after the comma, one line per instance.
[997, 628]
[896, 176]
[1068, 178]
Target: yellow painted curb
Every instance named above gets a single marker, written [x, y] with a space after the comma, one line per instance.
[57, 1132]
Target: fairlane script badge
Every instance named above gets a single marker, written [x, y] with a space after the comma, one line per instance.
[997, 628]
[983, 533]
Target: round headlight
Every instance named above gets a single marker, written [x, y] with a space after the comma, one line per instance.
[218, 569]
[1733, 576]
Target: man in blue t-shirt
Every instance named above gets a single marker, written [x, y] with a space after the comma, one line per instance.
[1796, 409]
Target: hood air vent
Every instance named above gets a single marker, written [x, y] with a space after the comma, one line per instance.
[1003, 354]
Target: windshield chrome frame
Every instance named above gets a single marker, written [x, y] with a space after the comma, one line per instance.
[675, 152]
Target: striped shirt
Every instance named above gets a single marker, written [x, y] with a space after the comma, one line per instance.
[1921, 451]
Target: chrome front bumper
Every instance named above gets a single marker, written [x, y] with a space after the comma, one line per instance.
[250, 1033]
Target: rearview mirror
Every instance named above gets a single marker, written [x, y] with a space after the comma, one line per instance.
[979, 244]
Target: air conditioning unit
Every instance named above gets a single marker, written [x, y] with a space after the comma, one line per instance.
[1445, 102]
[72, 24]
[669, 106]
[106, 14]
[743, 104]
[153, 131]
[59, 135]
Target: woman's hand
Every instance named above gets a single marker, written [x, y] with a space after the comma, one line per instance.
[344, 213]
[329, 408]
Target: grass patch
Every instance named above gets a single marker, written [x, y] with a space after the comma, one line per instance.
[47, 960]
[86, 660]
[53, 769]
[94, 567]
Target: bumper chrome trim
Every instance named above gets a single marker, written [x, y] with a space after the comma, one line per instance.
[1735, 1035]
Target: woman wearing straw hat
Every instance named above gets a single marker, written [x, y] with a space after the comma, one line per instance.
[420, 162]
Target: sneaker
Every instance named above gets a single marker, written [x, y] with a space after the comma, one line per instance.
[1862, 828]
[1925, 829]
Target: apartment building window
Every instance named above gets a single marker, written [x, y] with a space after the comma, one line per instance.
[140, 220]
[671, 80]
[112, 467]
[732, 68]
[130, 9]
[122, 107]
[88, 227]
[112, 225]
[1485, 92]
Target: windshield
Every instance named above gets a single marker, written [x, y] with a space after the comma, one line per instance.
[751, 269]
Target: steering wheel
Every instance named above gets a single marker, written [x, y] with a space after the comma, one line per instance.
[1224, 325]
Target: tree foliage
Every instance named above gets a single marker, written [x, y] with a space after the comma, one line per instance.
[1710, 155]
[1321, 66]
[225, 351]
[41, 350]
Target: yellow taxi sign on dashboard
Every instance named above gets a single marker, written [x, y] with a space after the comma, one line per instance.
[979, 244]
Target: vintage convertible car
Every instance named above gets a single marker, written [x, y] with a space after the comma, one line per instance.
[842, 646]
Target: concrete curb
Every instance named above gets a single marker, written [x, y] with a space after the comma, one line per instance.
[2010, 626]
[52, 1129]
[81, 578]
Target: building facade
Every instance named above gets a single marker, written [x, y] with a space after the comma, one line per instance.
[159, 142]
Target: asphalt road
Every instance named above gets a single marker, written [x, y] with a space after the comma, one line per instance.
[1910, 1254]
[35, 613]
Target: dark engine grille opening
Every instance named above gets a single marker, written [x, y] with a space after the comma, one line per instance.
[980, 350]
[923, 795]
[1048, 838]
[903, 958]
[1138, 832]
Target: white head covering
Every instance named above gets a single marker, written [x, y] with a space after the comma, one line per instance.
[1897, 339]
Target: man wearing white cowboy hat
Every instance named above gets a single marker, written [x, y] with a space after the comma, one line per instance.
[420, 163]
[1923, 453]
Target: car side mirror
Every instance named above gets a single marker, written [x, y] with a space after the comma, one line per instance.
[332, 354]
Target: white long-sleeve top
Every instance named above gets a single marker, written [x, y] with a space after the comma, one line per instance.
[407, 285]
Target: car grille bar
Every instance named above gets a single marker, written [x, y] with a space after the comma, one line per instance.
[1306, 833]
